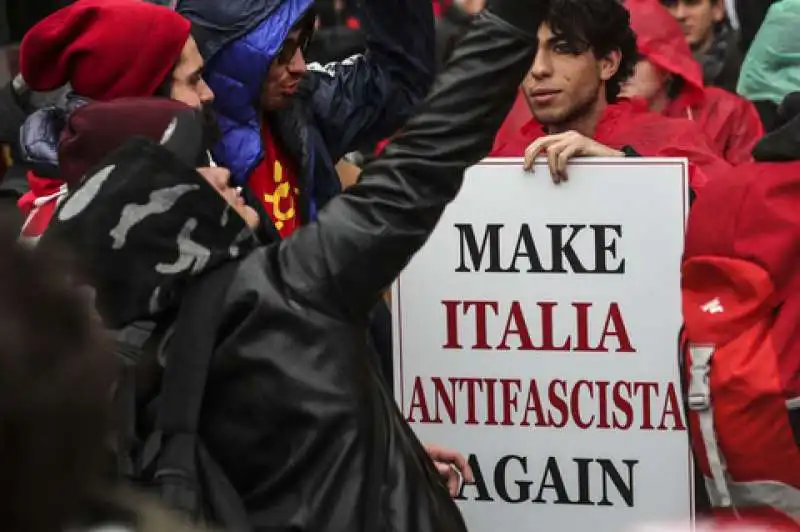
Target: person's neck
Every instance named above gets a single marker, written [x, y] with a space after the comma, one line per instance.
[705, 45]
[659, 102]
[586, 123]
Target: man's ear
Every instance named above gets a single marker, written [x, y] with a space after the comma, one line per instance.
[610, 64]
[718, 10]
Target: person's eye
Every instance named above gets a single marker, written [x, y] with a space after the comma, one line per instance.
[565, 48]
[287, 52]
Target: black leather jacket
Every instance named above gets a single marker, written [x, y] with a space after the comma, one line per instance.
[296, 412]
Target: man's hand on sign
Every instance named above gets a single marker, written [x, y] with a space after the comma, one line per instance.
[452, 466]
[562, 147]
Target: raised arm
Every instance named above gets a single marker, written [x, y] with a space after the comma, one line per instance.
[368, 97]
[365, 236]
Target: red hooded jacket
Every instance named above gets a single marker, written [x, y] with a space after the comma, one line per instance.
[628, 123]
[730, 122]
[741, 306]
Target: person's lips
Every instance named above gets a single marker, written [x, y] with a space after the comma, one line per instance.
[541, 96]
[291, 89]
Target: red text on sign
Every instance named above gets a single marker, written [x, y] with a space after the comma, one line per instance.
[586, 404]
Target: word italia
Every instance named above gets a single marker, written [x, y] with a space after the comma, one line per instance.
[532, 328]
[516, 479]
[586, 404]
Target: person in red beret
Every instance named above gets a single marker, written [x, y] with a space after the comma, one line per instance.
[104, 49]
[109, 49]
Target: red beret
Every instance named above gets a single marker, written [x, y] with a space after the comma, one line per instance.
[105, 49]
[95, 130]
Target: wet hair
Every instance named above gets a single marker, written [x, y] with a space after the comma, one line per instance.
[56, 382]
[306, 24]
[164, 89]
[601, 26]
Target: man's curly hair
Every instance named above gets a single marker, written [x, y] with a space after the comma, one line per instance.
[601, 26]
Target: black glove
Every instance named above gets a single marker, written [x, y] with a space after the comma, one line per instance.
[455, 126]
[524, 15]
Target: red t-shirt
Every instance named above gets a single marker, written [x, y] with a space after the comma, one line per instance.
[274, 182]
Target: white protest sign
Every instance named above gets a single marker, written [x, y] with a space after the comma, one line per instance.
[537, 332]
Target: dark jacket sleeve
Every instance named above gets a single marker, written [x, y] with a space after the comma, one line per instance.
[368, 97]
[13, 182]
[335, 44]
[449, 30]
[12, 113]
[366, 235]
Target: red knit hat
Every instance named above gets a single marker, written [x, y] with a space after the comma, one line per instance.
[105, 49]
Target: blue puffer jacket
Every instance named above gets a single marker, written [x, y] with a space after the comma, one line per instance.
[338, 108]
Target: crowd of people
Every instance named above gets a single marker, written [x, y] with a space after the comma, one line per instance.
[203, 204]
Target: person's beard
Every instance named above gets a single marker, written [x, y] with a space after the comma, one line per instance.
[574, 114]
[211, 131]
[583, 104]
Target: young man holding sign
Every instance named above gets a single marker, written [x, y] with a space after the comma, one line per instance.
[586, 52]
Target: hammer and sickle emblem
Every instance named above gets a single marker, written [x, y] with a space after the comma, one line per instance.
[281, 192]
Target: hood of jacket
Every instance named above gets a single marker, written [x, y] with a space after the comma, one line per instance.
[239, 39]
[771, 69]
[659, 38]
[143, 223]
[40, 134]
[783, 142]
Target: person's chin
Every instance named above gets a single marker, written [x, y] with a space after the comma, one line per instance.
[276, 103]
[548, 117]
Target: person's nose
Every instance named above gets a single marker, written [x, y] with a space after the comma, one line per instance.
[542, 66]
[297, 65]
[206, 94]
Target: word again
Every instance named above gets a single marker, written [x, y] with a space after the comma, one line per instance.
[515, 479]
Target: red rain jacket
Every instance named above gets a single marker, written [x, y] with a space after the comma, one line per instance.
[741, 306]
[628, 123]
[730, 122]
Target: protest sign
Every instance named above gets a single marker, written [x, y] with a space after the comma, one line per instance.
[537, 333]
